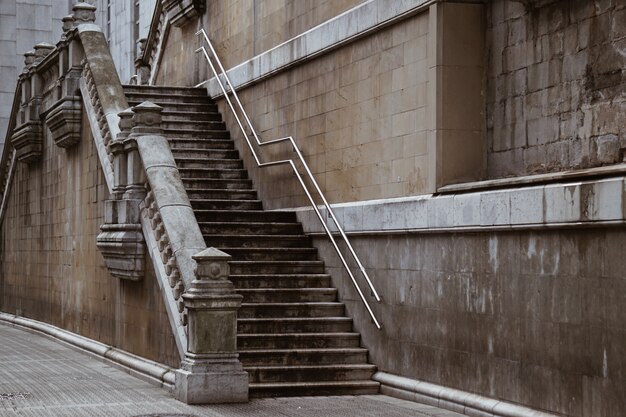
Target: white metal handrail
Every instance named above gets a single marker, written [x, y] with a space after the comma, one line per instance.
[293, 167]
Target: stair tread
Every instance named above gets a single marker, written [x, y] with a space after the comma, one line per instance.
[303, 335]
[365, 366]
[295, 290]
[366, 382]
[337, 350]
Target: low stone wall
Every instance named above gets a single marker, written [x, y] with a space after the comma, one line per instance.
[529, 317]
[50, 268]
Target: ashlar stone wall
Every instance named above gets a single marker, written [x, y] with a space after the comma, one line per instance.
[530, 317]
[556, 85]
[50, 268]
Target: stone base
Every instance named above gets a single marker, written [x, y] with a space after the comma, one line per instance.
[211, 380]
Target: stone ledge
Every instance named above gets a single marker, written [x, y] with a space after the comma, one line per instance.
[578, 204]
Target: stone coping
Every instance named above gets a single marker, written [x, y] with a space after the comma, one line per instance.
[577, 204]
[450, 398]
[145, 369]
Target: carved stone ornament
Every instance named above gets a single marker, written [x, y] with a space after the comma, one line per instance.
[27, 139]
[180, 12]
[64, 121]
[84, 13]
[121, 240]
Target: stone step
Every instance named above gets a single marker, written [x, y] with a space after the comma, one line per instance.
[244, 215]
[172, 115]
[275, 310]
[298, 340]
[189, 153]
[293, 324]
[217, 184]
[275, 281]
[202, 173]
[221, 194]
[258, 240]
[319, 388]
[208, 163]
[276, 267]
[302, 373]
[250, 228]
[165, 97]
[302, 357]
[288, 295]
[196, 133]
[193, 144]
[165, 89]
[194, 125]
[198, 107]
[271, 254]
[224, 204]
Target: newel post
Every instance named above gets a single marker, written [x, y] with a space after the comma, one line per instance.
[211, 371]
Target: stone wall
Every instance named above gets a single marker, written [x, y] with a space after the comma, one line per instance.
[358, 113]
[51, 269]
[555, 85]
[530, 317]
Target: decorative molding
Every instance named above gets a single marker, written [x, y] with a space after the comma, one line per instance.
[181, 12]
[451, 399]
[27, 140]
[64, 121]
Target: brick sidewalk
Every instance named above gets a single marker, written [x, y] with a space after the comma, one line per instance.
[42, 377]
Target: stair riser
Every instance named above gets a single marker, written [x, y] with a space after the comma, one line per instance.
[226, 205]
[249, 283]
[277, 326]
[222, 194]
[197, 134]
[194, 125]
[276, 269]
[178, 107]
[175, 116]
[264, 241]
[180, 144]
[133, 90]
[210, 164]
[228, 184]
[261, 297]
[246, 216]
[252, 255]
[201, 174]
[166, 99]
[295, 358]
[205, 153]
[288, 375]
[270, 311]
[248, 228]
[297, 391]
[295, 342]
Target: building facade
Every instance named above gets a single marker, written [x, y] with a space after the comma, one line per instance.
[472, 151]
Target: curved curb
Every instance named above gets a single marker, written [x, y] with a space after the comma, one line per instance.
[147, 370]
[451, 399]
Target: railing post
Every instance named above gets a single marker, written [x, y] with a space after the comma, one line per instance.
[211, 371]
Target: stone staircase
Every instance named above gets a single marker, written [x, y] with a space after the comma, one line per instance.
[293, 336]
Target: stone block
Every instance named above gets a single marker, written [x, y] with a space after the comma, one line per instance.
[441, 212]
[527, 206]
[467, 209]
[562, 203]
[495, 208]
[607, 149]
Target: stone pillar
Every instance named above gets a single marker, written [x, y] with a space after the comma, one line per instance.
[211, 371]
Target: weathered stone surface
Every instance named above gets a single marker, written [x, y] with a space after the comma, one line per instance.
[180, 12]
[64, 121]
[211, 372]
[28, 141]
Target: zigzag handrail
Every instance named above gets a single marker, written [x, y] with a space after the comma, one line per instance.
[293, 167]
